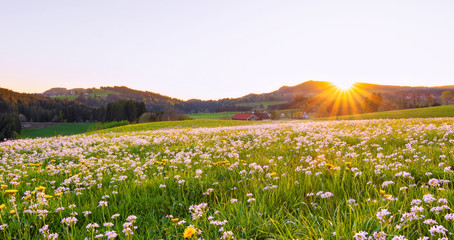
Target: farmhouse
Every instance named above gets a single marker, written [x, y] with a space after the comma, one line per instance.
[251, 116]
[244, 117]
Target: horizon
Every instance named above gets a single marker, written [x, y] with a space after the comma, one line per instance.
[214, 50]
[339, 85]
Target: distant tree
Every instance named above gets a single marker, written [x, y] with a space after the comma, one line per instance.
[372, 102]
[274, 115]
[446, 96]
[431, 100]
[10, 126]
[124, 110]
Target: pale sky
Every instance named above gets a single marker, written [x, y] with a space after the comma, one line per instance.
[216, 49]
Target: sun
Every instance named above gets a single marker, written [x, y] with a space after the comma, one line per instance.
[344, 85]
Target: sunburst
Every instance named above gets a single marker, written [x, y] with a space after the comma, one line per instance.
[344, 85]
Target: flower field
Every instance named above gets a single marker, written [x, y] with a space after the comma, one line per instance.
[369, 179]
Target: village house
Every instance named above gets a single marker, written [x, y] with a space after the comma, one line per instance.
[251, 116]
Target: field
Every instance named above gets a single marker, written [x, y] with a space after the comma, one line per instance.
[220, 115]
[63, 129]
[440, 111]
[383, 179]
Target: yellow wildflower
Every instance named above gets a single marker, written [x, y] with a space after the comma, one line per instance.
[348, 163]
[175, 219]
[12, 211]
[330, 166]
[189, 232]
[2, 206]
[48, 196]
[40, 189]
[12, 191]
[3, 186]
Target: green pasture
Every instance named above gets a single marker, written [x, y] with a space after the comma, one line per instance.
[198, 123]
[219, 115]
[429, 112]
[63, 129]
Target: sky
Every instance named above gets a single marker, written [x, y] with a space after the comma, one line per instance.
[218, 49]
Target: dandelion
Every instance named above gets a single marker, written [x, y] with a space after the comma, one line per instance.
[189, 232]
[11, 191]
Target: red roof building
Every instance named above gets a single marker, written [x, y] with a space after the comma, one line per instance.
[245, 117]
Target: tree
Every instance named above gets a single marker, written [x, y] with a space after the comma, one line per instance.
[446, 96]
[10, 126]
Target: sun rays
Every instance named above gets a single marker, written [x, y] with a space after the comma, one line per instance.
[342, 98]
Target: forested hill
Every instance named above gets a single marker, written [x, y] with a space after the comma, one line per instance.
[34, 107]
[98, 97]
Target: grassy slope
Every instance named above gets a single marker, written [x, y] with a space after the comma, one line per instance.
[441, 111]
[212, 115]
[176, 124]
[64, 129]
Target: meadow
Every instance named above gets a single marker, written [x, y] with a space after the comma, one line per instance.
[428, 112]
[367, 179]
[63, 129]
[219, 115]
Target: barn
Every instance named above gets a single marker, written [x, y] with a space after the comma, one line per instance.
[245, 117]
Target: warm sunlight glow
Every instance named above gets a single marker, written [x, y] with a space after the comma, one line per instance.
[344, 85]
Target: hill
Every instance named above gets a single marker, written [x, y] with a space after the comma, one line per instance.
[34, 107]
[104, 95]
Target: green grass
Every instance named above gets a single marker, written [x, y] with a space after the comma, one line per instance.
[105, 125]
[430, 112]
[176, 124]
[218, 115]
[264, 103]
[71, 97]
[63, 129]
